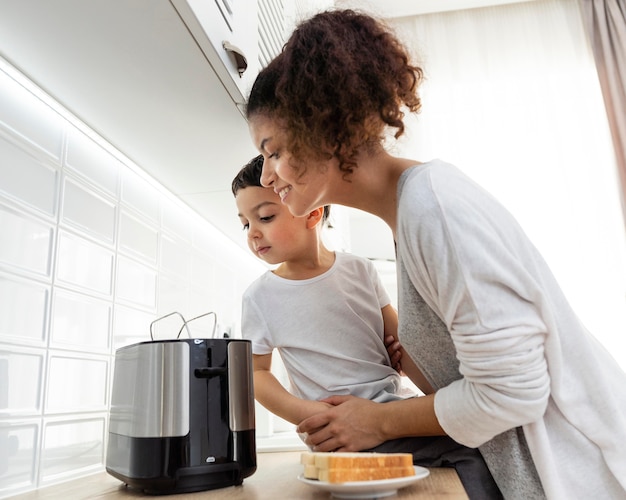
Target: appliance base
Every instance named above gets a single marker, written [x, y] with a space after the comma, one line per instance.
[187, 480]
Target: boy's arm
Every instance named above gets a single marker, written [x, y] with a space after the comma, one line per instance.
[404, 362]
[272, 395]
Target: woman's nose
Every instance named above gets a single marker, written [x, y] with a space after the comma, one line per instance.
[267, 175]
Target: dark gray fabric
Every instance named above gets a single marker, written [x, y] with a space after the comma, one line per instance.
[443, 451]
[508, 457]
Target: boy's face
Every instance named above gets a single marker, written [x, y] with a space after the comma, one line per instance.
[274, 234]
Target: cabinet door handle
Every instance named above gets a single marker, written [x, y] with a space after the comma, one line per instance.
[240, 58]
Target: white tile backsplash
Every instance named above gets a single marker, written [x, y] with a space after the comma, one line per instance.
[72, 382]
[31, 180]
[130, 325]
[88, 211]
[25, 243]
[175, 256]
[84, 264]
[136, 282]
[134, 194]
[70, 447]
[21, 375]
[202, 270]
[138, 238]
[226, 286]
[19, 452]
[92, 251]
[23, 310]
[173, 296]
[204, 300]
[175, 219]
[91, 160]
[80, 322]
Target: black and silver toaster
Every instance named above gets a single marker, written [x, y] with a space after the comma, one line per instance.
[182, 415]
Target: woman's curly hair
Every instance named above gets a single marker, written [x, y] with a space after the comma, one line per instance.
[342, 78]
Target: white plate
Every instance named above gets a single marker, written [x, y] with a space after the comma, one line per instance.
[367, 489]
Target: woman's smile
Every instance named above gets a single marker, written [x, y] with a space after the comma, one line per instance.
[282, 192]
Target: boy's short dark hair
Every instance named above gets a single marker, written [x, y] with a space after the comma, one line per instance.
[250, 176]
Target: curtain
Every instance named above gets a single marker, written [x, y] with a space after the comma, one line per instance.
[512, 98]
[605, 21]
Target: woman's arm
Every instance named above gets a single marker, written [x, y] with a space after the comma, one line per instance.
[400, 359]
[355, 424]
[272, 395]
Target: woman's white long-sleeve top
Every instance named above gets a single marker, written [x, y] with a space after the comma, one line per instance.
[505, 350]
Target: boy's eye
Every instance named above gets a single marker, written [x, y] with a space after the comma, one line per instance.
[274, 155]
[266, 219]
[246, 227]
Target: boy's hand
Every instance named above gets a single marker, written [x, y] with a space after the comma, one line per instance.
[394, 349]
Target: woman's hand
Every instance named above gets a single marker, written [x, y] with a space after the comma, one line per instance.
[352, 424]
[394, 349]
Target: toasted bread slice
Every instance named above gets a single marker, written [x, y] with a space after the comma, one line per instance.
[364, 474]
[342, 467]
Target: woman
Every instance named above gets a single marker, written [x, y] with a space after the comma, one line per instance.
[515, 372]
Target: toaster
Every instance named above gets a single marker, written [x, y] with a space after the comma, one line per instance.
[182, 415]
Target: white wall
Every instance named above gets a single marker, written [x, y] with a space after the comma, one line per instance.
[91, 252]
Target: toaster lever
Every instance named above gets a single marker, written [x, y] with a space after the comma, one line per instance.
[209, 372]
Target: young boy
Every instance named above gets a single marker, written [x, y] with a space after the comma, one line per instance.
[326, 312]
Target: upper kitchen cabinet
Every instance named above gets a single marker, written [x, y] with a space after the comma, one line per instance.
[227, 32]
[240, 37]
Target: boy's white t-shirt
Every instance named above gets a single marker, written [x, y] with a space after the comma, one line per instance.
[328, 330]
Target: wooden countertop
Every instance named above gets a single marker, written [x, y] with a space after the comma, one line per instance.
[274, 479]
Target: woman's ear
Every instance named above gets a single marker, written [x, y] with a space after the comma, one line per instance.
[314, 217]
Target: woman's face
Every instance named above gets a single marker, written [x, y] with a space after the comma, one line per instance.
[303, 188]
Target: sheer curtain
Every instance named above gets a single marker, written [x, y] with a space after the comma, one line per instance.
[605, 21]
[512, 97]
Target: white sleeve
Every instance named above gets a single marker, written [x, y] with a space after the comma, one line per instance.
[468, 259]
[254, 326]
[381, 291]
